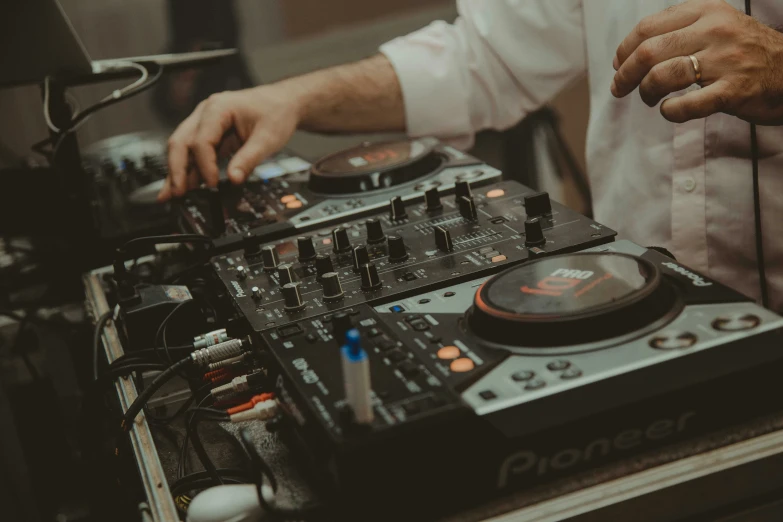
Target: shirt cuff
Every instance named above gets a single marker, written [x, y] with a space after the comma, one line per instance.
[433, 89]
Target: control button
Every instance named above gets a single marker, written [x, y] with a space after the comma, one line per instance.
[292, 297]
[270, 257]
[420, 325]
[367, 322]
[538, 204]
[288, 198]
[396, 356]
[370, 278]
[523, 376]
[409, 369]
[311, 338]
[373, 332]
[486, 250]
[736, 322]
[397, 209]
[255, 293]
[375, 231]
[462, 365]
[443, 239]
[448, 353]
[499, 259]
[571, 373]
[467, 208]
[673, 340]
[306, 249]
[285, 272]
[410, 276]
[241, 272]
[289, 330]
[534, 233]
[323, 265]
[252, 244]
[449, 294]
[386, 344]
[558, 366]
[462, 190]
[432, 198]
[496, 193]
[294, 205]
[488, 395]
[535, 384]
[360, 257]
[411, 318]
[397, 251]
[333, 289]
[397, 309]
[340, 240]
[327, 318]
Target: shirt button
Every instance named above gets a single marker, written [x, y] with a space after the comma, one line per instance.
[689, 184]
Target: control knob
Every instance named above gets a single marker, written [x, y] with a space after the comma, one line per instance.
[375, 231]
[538, 204]
[397, 206]
[340, 240]
[323, 265]
[269, 257]
[397, 251]
[333, 290]
[360, 257]
[462, 190]
[370, 278]
[306, 248]
[534, 233]
[252, 244]
[432, 198]
[443, 239]
[467, 208]
[285, 272]
[292, 297]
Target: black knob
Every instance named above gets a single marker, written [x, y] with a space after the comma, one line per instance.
[462, 190]
[285, 272]
[341, 323]
[252, 244]
[534, 233]
[443, 239]
[217, 217]
[538, 204]
[397, 206]
[255, 293]
[306, 249]
[467, 207]
[333, 290]
[432, 197]
[360, 257]
[340, 241]
[375, 231]
[241, 272]
[269, 257]
[323, 265]
[397, 251]
[370, 278]
[292, 297]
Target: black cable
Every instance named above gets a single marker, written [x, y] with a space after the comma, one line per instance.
[182, 461]
[148, 354]
[96, 341]
[197, 415]
[146, 395]
[754, 151]
[201, 479]
[161, 333]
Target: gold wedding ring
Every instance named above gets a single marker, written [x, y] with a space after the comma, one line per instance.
[696, 67]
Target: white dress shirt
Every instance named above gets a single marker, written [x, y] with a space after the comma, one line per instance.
[686, 187]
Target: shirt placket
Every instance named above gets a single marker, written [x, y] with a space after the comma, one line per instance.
[689, 216]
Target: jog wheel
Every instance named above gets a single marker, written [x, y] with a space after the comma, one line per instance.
[375, 166]
[573, 303]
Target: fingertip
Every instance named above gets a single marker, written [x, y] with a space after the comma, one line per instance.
[613, 88]
[236, 175]
[165, 191]
[616, 62]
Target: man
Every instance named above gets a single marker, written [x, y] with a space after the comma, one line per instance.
[680, 179]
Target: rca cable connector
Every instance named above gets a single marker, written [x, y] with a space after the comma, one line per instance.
[218, 352]
[239, 384]
[263, 410]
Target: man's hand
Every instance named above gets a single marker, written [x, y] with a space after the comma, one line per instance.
[252, 124]
[741, 63]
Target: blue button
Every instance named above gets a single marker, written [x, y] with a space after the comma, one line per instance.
[397, 309]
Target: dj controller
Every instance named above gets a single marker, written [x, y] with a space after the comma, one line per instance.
[437, 336]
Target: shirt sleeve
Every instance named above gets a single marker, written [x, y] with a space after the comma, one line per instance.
[499, 61]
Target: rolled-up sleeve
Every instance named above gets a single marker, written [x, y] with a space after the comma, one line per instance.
[500, 60]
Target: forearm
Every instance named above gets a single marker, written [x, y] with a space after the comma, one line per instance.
[364, 96]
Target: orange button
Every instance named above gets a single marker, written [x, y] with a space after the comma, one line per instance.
[326, 241]
[288, 198]
[462, 365]
[294, 204]
[498, 259]
[448, 352]
[496, 193]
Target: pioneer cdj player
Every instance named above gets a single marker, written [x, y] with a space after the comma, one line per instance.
[287, 195]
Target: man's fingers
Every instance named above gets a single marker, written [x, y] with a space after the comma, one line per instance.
[257, 148]
[178, 164]
[651, 53]
[698, 104]
[165, 192]
[665, 78]
[667, 21]
[213, 124]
